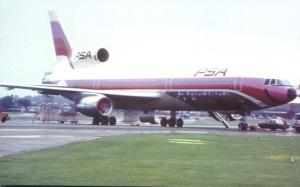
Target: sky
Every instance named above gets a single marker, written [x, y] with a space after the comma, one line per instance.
[250, 37]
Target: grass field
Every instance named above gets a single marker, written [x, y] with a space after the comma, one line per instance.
[161, 159]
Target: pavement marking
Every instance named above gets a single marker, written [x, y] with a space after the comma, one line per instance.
[29, 130]
[22, 136]
[187, 141]
[283, 157]
[36, 136]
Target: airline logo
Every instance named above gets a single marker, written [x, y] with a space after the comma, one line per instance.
[211, 72]
[85, 55]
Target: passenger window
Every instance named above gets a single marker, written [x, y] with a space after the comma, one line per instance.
[267, 82]
[273, 81]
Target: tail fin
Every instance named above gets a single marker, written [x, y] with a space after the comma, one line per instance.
[61, 43]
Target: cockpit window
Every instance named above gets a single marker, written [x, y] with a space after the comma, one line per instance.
[267, 82]
[279, 82]
[273, 81]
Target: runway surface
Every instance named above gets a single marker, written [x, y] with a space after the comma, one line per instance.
[19, 136]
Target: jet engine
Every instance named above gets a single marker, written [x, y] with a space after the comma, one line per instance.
[102, 55]
[234, 117]
[95, 105]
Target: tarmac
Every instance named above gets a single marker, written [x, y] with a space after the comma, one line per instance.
[20, 136]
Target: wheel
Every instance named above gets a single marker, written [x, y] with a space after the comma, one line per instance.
[112, 120]
[163, 122]
[104, 120]
[179, 122]
[297, 129]
[172, 122]
[3, 120]
[96, 121]
[243, 126]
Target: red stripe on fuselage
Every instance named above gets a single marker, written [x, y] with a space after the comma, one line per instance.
[250, 86]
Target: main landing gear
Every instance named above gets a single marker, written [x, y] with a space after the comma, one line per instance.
[243, 125]
[104, 120]
[172, 121]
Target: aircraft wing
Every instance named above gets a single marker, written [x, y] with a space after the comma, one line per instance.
[56, 90]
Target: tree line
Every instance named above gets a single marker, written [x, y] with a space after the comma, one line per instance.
[14, 101]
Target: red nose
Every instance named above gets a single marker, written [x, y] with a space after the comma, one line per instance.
[292, 93]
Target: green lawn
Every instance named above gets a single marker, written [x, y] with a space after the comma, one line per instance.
[159, 160]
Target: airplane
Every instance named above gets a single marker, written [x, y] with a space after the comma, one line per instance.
[97, 97]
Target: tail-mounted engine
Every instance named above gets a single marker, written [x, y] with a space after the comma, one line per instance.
[95, 105]
[102, 55]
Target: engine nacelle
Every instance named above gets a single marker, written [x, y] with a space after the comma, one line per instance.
[102, 55]
[235, 117]
[90, 57]
[95, 105]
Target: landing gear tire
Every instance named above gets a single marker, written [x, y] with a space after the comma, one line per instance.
[163, 122]
[179, 122]
[243, 126]
[252, 128]
[172, 122]
[3, 120]
[104, 120]
[112, 121]
[96, 120]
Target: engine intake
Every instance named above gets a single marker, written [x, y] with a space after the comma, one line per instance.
[104, 106]
[95, 105]
[102, 55]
